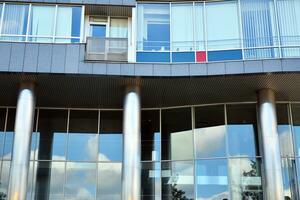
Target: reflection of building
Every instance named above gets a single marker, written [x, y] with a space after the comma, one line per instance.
[120, 99]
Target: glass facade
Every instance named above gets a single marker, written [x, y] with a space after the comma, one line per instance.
[193, 32]
[40, 23]
[196, 152]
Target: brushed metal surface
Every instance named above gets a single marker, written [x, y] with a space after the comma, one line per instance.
[273, 184]
[22, 139]
[131, 174]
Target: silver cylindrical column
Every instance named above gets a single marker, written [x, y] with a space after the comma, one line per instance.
[131, 173]
[22, 142]
[273, 184]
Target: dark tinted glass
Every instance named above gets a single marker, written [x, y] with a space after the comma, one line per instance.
[242, 130]
[83, 142]
[150, 135]
[52, 129]
[177, 136]
[151, 183]
[111, 137]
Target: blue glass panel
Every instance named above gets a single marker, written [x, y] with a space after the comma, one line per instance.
[158, 37]
[153, 57]
[76, 21]
[225, 55]
[183, 57]
[98, 30]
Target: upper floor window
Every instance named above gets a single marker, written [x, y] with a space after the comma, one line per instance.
[153, 27]
[41, 23]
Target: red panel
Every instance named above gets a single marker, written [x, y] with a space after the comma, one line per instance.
[201, 56]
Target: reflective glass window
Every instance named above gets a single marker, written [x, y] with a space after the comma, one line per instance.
[41, 23]
[83, 140]
[52, 130]
[49, 179]
[151, 137]
[111, 137]
[15, 21]
[245, 179]
[109, 181]
[2, 125]
[81, 181]
[150, 180]
[118, 28]
[284, 130]
[182, 22]
[177, 180]
[4, 178]
[177, 136]
[296, 127]
[259, 28]
[68, 21]
[199, 26]
[222, 30]
[210, 129]
[9, 134]
[242, 130]
[289, 178]
[154, 27]
[289, 26]
[212, 179]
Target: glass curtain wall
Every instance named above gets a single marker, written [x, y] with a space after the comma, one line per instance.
[289, 27]
[40, 23]
[201, 152]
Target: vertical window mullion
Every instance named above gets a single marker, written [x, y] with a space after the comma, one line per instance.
[55, 22]
[205, 30]
[277, 27]
[241, 29]
[2, 17]
[170, 26]
[28, 22]
[82, 24]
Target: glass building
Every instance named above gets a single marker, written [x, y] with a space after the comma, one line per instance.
[150, 100]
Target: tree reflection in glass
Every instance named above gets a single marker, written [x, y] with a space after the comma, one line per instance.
[245, 179]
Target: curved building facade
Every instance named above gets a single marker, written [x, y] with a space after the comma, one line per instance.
[150, 100]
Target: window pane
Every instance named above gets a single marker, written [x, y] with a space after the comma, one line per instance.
[151, 137]
[289, 178]
[296, 127]
[118, 28]
[177, 136]
[289, 25]
[4, 178]
[211, 179]
[109, 181]
[111, 137]
[53, 138]
[182, 27]
[245, 179]
[49, 180]
[83, 142]
[2, 124]
[154, 27]
[259, 28]
[151, 183]
[81, 181]
[242, 131]
[199, 26]
[68, 21]
[9, 134]
[41, 21]
[210, 129]
[223, 28]
[284, 130]
[177, 180]
[15, 20]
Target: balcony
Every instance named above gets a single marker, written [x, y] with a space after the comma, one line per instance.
[106, 49]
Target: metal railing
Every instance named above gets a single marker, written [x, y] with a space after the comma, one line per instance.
[110, 49]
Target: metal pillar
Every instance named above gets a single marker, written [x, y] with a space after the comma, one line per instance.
[131, 173]
[273, 184]
[22, 142]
